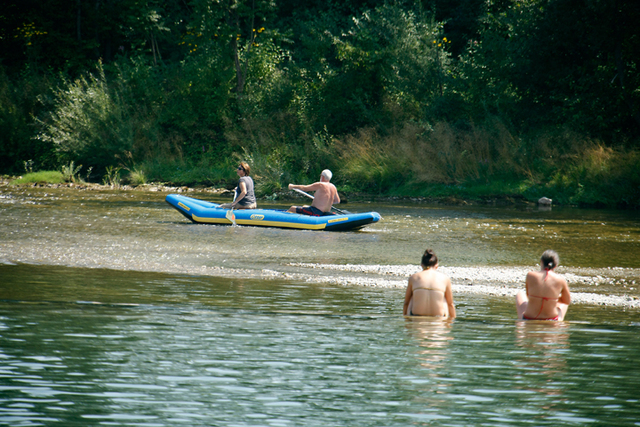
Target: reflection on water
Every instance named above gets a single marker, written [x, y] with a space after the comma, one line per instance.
[433, 336]
[542, 360]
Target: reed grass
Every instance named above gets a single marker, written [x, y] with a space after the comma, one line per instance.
[487, 161]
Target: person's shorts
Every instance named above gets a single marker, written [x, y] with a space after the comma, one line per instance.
[249, 206]
[309, 210]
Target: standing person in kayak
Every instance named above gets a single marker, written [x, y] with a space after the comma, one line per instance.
[325, 196]
[245, 197]
[429, 291]
[546, 295]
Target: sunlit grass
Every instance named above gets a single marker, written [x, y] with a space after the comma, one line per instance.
[49, 177]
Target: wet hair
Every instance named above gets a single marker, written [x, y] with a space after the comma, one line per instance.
[245, 167]
[429, 259]
[549, 259]
[327, 174]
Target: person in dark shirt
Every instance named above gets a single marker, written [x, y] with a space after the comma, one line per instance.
[245, 197]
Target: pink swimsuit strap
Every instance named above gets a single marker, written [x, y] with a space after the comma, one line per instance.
[542, 298]
[546, 273]
[542, 306]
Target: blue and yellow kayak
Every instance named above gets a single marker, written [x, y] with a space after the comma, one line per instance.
[200, 211]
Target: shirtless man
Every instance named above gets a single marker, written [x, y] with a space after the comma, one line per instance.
[326, 195]
[429, 291]
[546, 295]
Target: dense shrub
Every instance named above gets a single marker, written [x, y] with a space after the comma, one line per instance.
[89, 123]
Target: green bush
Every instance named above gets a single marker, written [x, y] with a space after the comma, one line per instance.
[89, 123]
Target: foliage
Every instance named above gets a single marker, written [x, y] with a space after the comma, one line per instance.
[535, 97]
[112, 176]
[18, 105]
[371, 163]
[390, 66]
[50, 177]
[89, 123]
[28, 166]
[70, 171]
[417, 155]
[559, 63]
[137, 176]
[187, 172]
[596, 175]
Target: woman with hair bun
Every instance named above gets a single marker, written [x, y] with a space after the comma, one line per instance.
[546, 296]
[429, 291]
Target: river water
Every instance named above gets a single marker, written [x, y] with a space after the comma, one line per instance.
[115, 310]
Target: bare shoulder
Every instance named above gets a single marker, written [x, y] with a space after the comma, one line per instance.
[533, 276]
[441, 275]
[559, 279]
[415, 276]
[314, 186]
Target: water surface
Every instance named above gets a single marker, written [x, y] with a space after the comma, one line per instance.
[481, 245]
[115, 310]
[94, 347]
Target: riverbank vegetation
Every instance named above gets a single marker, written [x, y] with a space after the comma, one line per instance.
[434, 98]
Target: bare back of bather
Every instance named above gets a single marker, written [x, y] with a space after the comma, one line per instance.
[325, 195]
[546, 295]
[430, 294]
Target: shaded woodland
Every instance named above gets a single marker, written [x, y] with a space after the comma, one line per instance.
[410, 98]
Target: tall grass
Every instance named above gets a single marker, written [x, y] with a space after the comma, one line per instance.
[415, 155]
[593, 174]
[488, 160]
[70, 172]
[280, 150]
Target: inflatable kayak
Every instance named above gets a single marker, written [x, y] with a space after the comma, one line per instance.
[200, 211]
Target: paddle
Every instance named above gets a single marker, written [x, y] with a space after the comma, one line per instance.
[230, 215]
[341, 212]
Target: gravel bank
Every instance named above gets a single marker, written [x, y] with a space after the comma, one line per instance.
[496, 281]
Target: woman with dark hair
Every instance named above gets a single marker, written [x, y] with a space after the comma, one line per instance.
[546, 296]
[245, 197]
[429, 291]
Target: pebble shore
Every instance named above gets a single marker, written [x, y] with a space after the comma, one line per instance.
[495, 281]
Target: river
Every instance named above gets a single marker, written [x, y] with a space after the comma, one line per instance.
[116, 310]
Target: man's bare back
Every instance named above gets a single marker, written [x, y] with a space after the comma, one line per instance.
[326, 194]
